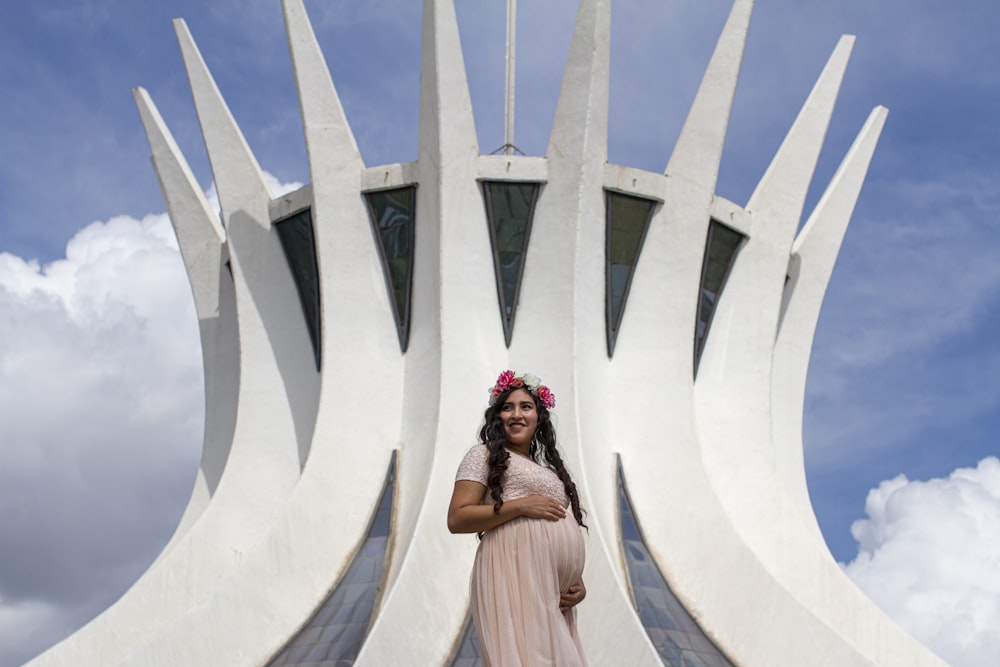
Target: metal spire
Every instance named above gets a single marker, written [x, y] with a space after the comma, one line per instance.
[508, 130]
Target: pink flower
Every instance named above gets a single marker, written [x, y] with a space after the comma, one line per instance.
[545, 395]
[505, 381]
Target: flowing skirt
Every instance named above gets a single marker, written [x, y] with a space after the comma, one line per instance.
[521, 568]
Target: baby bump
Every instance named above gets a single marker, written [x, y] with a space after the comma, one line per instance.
[568, 553]
[551, 551]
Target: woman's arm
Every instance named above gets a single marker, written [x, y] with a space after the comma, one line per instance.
[467, 515]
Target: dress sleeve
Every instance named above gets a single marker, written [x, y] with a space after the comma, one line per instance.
[475, 466]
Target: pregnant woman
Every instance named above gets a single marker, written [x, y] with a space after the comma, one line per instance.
[514, 490]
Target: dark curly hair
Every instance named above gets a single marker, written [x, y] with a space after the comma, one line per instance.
[542, 451]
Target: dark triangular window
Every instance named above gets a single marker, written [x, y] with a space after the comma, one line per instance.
[393, 213]
[720, 250]
[296, 235]
[674, 632]
[468, 652]
[627, 219]
[509, 208]
[336, 632]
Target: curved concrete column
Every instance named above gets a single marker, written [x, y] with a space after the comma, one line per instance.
[732, 391]
[698, 151]
[734, 400]
[202, 242]
[456, 343]
[275, 411]
[809, 569]
[251, 613]
[686, 526]
[813, 256]
[269, 306]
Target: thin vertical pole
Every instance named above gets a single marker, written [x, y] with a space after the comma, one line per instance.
[508, 130]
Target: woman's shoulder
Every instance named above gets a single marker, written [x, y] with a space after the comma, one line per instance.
[475, 464]
[477, 452]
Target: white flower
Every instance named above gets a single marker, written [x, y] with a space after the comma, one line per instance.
[531, 381]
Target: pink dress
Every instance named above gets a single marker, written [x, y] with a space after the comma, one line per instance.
[521, 568]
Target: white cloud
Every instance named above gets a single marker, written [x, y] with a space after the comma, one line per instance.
[927, 554]
[100, 383]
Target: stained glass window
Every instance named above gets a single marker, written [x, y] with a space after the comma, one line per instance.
[627, 219]
[720, 251]
[335, 633]
[509, 209]
[677, 638]
[393, 213]
[296, 235]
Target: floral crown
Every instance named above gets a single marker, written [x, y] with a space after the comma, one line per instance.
[510, 380]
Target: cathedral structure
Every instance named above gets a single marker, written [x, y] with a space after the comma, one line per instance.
[350, 329]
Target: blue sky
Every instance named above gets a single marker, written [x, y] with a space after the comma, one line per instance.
[905, 374]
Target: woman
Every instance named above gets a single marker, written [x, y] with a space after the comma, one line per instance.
[514, 490]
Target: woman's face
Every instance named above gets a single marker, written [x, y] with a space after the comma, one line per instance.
[519, 417]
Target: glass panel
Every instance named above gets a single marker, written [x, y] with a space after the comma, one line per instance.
[393, 213]
[509, 209]
[627, 220]
[338, 629]
[720, 251]
[467, 653]
[296, 235]
[674, 633]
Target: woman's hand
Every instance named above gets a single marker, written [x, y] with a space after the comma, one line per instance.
[539, 507]
[572, 596]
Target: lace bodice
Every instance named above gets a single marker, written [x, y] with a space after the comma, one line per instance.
[524, 477]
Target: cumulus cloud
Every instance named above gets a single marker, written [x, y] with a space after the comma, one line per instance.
[927, 554]
[101, 388]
